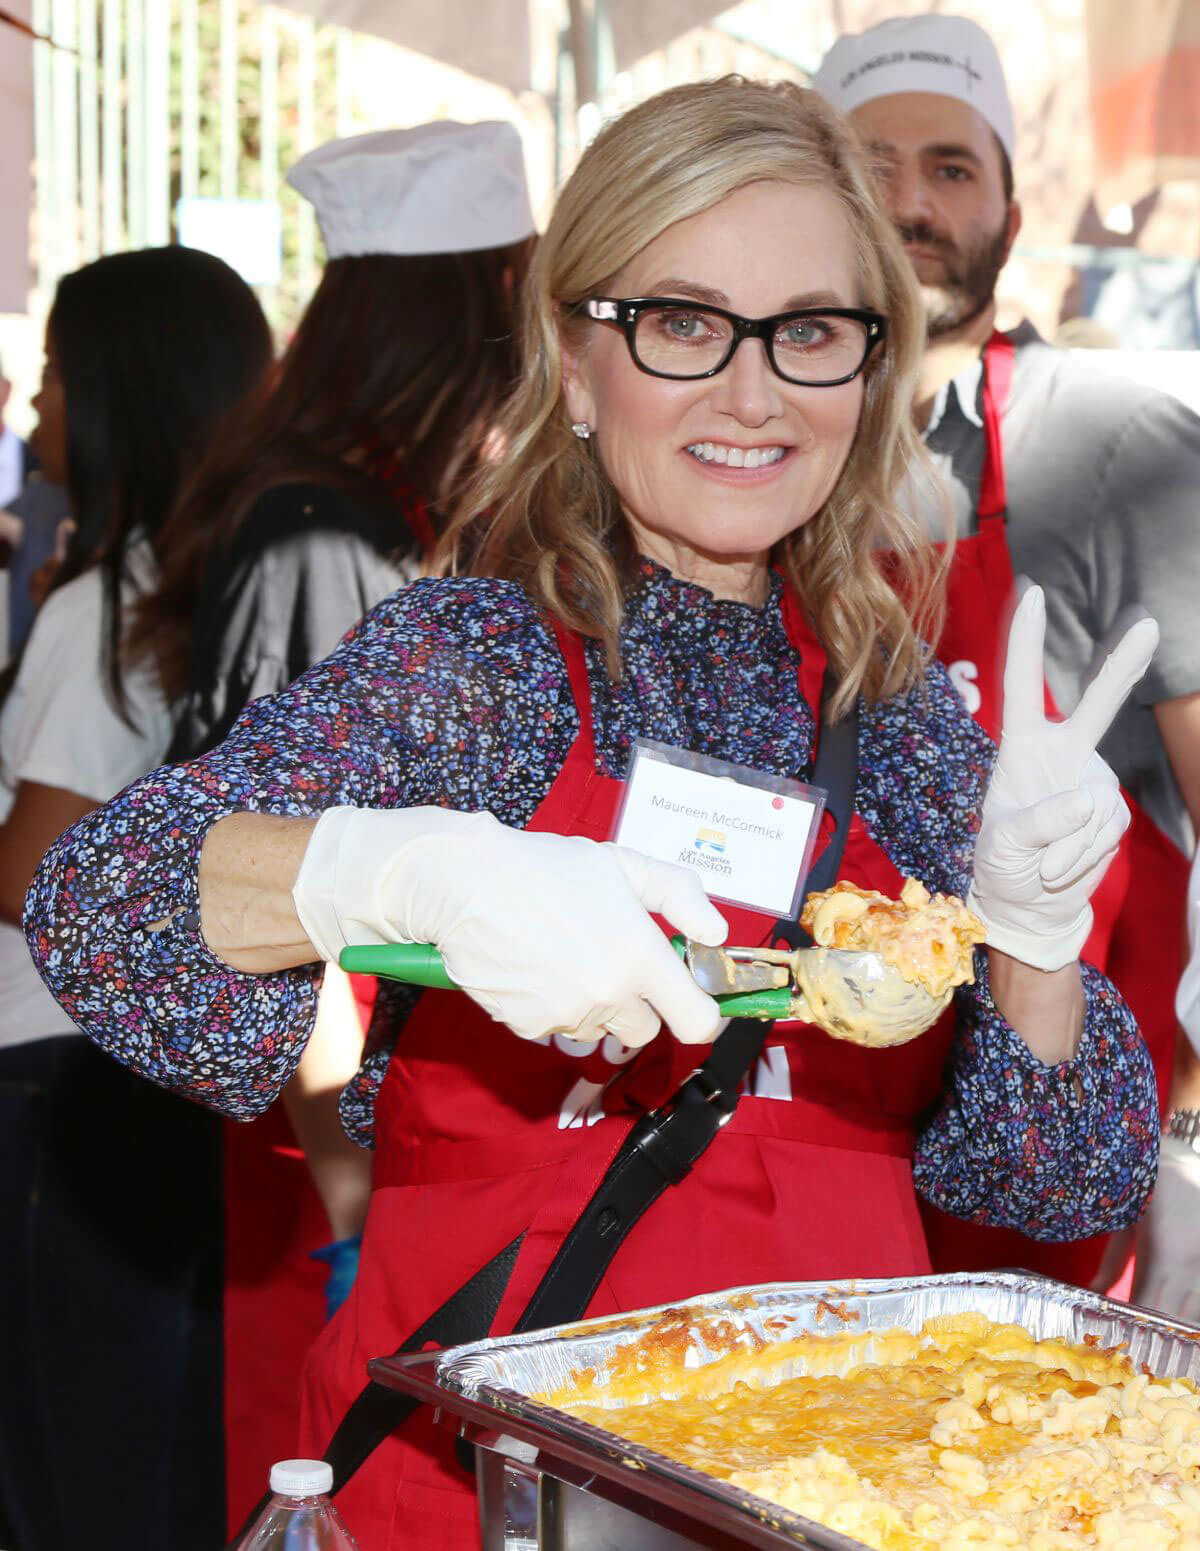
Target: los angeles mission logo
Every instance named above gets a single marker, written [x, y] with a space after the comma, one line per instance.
[707, 852]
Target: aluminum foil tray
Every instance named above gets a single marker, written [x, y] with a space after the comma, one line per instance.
[487, 1386]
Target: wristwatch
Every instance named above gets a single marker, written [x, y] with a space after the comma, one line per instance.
[1185, 1124]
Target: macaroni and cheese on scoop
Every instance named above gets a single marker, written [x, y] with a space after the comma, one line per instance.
[929, 938]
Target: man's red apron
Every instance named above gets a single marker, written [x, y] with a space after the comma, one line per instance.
[482, 1136]
[1136, 938]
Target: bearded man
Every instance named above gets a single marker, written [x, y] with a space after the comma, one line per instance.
[1080, 481]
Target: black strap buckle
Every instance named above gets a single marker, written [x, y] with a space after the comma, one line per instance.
[703, 1085]
[667, 1140]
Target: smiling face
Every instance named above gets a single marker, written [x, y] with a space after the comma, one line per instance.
[712, 473]
[941, 177]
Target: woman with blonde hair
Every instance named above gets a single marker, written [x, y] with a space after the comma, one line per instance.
[667, 578]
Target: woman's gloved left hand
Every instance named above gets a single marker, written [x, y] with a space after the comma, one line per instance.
[1053, 815]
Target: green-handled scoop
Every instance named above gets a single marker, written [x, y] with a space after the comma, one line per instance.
[416, 963]
[420, 964]
[852, 995]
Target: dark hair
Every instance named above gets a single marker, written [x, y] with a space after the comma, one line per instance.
[403, 358]
[153, 349]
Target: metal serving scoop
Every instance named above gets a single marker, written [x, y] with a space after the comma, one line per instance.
[851, 995]
[420, 964]
[860, 997]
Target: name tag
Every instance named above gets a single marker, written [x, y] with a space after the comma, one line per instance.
[748, 837]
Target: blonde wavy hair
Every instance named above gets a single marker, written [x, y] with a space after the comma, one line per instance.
[545, 513]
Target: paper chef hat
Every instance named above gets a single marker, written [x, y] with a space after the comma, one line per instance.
[947, 55]
[437, 188]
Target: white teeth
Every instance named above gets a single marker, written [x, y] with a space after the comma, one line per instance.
[735, 457]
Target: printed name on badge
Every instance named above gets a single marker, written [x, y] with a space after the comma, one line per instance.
[749, 837]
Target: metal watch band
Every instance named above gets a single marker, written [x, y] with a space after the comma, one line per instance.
[1185, 1124]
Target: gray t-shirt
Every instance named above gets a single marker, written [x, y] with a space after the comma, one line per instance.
[1103, 479]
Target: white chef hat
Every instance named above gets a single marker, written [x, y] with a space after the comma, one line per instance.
[437, 188]
[950, 56]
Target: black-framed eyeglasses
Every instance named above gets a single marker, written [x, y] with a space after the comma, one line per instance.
[815, 347]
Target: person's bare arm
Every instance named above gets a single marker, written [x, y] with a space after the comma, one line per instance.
[248, 865]
[1045, 1007]
[38, 816]
[340, 1169]
[1179, 726]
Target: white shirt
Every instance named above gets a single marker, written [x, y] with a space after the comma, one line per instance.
[12, 455]
[965, 388]
[60, 727]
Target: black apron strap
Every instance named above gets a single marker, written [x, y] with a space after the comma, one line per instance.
[836, 771]
[377, 1412]
[659, 1151]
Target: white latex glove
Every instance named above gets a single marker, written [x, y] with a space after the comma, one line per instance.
[1053, 815]
[550, 934]
[1168, 1243]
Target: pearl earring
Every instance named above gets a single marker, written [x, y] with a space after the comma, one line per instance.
[582, 429]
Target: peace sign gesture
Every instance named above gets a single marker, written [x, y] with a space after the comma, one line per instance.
[1053, 815]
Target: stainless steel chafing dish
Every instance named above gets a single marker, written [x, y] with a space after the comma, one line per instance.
[549, 1481]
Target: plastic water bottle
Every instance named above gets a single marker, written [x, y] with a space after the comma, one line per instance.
[300, 1515]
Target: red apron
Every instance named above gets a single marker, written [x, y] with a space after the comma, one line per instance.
[274, 1301]
[274, 1295]
[1136, 937]
[482, 1136]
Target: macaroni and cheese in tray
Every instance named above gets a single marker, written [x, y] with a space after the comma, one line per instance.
[1000, 1410]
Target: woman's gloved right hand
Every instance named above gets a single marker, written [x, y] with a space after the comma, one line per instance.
[550, 934]
[1053, 814]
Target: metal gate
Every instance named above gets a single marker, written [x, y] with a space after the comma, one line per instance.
[143, 102]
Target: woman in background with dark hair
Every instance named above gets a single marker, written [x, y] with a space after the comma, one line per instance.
[327, 496]
[323, 500]
[110, 1419]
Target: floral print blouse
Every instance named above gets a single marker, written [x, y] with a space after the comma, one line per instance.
[454, 692]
